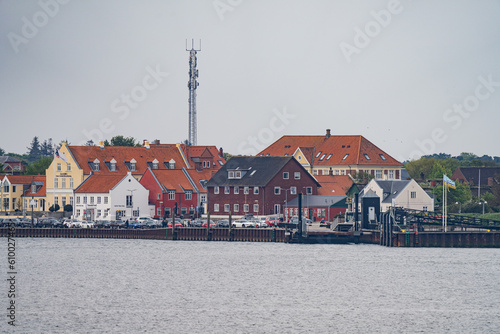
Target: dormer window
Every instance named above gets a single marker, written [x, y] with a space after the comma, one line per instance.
[95, 165]
[112, 165]
[345, 157]
[367, 157]
[133, 166]
[33, 188]
[171, 164]
[155, 164]
[230, 175]
[382, 157]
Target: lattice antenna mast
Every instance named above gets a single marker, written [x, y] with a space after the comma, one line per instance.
[192, 85]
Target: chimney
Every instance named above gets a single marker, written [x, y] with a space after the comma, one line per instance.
[327, 134]
[101, 144]
[221, 153]
[157, 142]
[146, 144]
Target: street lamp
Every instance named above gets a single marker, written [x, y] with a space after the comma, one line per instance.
[483, 205]
[460, 208]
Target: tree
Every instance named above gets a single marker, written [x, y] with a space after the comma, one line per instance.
[89, 142]
[68, 208]
[39, 166]
[47, 148]
[34, 152]
[2, 152]
[122, 141]
[54, 208]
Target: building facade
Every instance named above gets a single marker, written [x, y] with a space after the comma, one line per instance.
[257, 185]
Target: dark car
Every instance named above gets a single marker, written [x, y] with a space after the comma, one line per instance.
[114, 224]
[223, 223]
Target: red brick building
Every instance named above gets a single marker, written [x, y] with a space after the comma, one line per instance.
[257, 185]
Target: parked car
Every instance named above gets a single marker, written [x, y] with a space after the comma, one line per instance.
[272, 221]
[223, 223]
[295, 220]
[72, 223]
[243, 223]
[196, 223]
[212, 224]
[151, 223]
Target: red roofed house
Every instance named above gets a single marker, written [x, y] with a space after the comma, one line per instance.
[15, 188]
[111, 196]
[35, 194]
[171, 188]
[337, 155]
[334, 185]
[76, 163]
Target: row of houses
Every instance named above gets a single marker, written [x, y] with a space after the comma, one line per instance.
[102, 182]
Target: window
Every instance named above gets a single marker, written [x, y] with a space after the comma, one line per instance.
[246, 190]
[112, 167]
[382, 157]
[56, 200]
[91, 199]
[158, 211]
[226, 190]
[68, 167]
[277, 209]
[378, 174]
[246, 207]
[237, 175]
[293, 190]
[236, 207]
[342, 172]
[345, 157]
[171, 164]
[319, 153]
[424, 208]
[71, 183]
[277, 190]
[236, 190]
[84, 199]
[255, 190]
[56, 183]
[188, 195]
[14, 201]
[105, 199]
[64, 201]
[226, 207]
[309, 190]
[77, 199]
[183, 211]
[322, 157]
[129, 201]
[58, 167]
[285, 175]
[216, 207]
[14, 189]
[391, 174]
[77, 212]
[337, 172]
[135, 213]
[171, 195]
[63, 185]
[256, 208]
[158, 196]
[5, 189]
[296, 175]
[95, 165]
[216, 190]
[230, 175]
[413, 194]
[328, 157]
[132, 166]
[33, 188]
[203, 198]
[98, 213]
[71, 200]
[98, 199]
[155, 164]
[366, 156]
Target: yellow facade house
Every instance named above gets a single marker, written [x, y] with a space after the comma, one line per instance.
[62, 176]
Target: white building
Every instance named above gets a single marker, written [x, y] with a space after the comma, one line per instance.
[400, 193]
[110, 197]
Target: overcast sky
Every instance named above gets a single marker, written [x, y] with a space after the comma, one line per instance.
[413, 77]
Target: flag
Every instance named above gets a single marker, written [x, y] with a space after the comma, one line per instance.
[447, 181]
[59, 154]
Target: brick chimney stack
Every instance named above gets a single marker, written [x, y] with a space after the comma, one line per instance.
[328, 134]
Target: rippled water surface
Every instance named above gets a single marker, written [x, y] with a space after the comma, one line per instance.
[142, 286]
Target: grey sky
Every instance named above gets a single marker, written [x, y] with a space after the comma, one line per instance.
[259, 59]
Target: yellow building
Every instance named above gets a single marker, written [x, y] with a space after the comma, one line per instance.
[62, 176]
[14, 189]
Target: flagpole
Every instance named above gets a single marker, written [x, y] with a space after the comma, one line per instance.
[443, 209]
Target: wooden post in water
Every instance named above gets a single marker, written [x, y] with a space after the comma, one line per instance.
[208, 225]
[230, 225]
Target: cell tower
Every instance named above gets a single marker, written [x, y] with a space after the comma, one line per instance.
[192, 85]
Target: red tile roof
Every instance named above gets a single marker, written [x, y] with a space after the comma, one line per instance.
[172, 179]
[163, 153]
[197, 176]
[340, 184]
[333, 150]
[41, 190]
[99, 183]
[22, 179]
[206, 152]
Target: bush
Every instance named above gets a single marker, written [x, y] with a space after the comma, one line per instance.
[68, 208]
[54, 207]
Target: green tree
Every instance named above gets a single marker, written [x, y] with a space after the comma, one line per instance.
[420, 169]
[2, 152]
[47, 148]
[34, 152]
[39, 166]
[462, 194]
[54, 207]
[68, 208]
[122, 141]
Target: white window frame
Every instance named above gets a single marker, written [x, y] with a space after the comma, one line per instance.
[277, 190]
[255, 190]
[296, 175]
[216, 207]
[226, 207]
[286, 175]
[236, 190]
[293, 190]
[216, 190]
[236, 207]
[246, 207]
[227, 190]
[256, 208]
